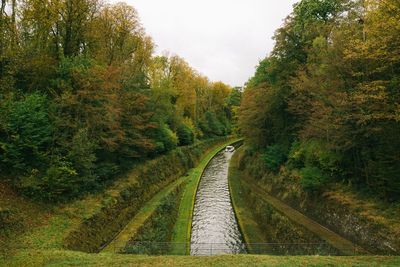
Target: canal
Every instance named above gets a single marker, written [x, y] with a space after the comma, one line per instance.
[214, 227]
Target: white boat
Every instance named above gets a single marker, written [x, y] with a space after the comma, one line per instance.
[229, 149]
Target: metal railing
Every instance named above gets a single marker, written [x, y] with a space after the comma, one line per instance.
[209, 249]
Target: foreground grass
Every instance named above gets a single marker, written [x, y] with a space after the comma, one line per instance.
[69, 258]
[182, 229]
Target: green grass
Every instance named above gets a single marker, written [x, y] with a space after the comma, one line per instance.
[62, 258]
[141, 217]
[247, 224]
[183, 226]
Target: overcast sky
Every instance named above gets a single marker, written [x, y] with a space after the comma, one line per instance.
[222, 39]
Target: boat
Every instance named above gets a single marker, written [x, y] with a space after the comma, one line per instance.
[229, 149]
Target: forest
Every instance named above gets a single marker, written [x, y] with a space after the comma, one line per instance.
[83, 97]
[324, 105]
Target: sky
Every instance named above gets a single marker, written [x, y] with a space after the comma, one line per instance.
[222, 39]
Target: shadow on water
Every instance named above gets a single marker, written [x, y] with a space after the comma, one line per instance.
[214, 227]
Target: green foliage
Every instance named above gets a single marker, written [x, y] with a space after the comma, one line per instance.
[274, 156]
[313, 179]
[185, 135]
[107, 170]
[26, 133]
[314, 153]
[309, 10]
[82, 153]
[69, 69]
[166, 139]
[263, 74]
[235, 97]
[329, 83]
[60, 181]
[212, 126]
[79, 106]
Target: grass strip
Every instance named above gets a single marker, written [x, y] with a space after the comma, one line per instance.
[182, 230]
[61, 258]
[247, 224]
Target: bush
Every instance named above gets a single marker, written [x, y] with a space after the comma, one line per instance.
[214, 125]
[211, 126]
[170, 139]
[82, 153]
[29, 133]
[314, 153]
[107, 170]
[313, 179]
[185, 135]
[273, 157]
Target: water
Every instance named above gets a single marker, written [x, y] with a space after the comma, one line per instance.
[214, 227]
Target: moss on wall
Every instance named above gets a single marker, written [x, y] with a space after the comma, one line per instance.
[154, 237]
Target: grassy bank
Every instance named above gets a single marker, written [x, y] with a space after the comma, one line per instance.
[155, 235]
[369, 222]
[289, 225]
[182, 229]
[68, 258]
[80, 225]
[248, 226]
[128, 198]
[142, 217]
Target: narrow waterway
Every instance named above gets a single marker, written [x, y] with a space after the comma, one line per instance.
[214, 227]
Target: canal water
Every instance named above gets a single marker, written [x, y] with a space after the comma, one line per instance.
[214, 227]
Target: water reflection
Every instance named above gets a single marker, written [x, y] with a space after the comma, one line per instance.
[214, 226]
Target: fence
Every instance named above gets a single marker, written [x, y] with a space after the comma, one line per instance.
[209, 249]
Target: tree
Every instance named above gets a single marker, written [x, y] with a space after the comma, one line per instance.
[26, 134]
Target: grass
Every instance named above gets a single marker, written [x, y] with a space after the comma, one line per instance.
[141, 217]
[247, 224]
[370, 207]
[183, 226]
[62, 258]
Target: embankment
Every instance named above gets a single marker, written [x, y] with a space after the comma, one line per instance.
[356, 219]
[123, 200]
[263, 220]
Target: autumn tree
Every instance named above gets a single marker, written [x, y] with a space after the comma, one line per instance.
[328, 96]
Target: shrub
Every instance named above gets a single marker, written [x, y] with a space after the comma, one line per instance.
[313, 153]
[185, 135]
[29, 133]
[313, 179]
[211, 126]
[107, 170]
[82, 153]
[273, 157]
[165, 139]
